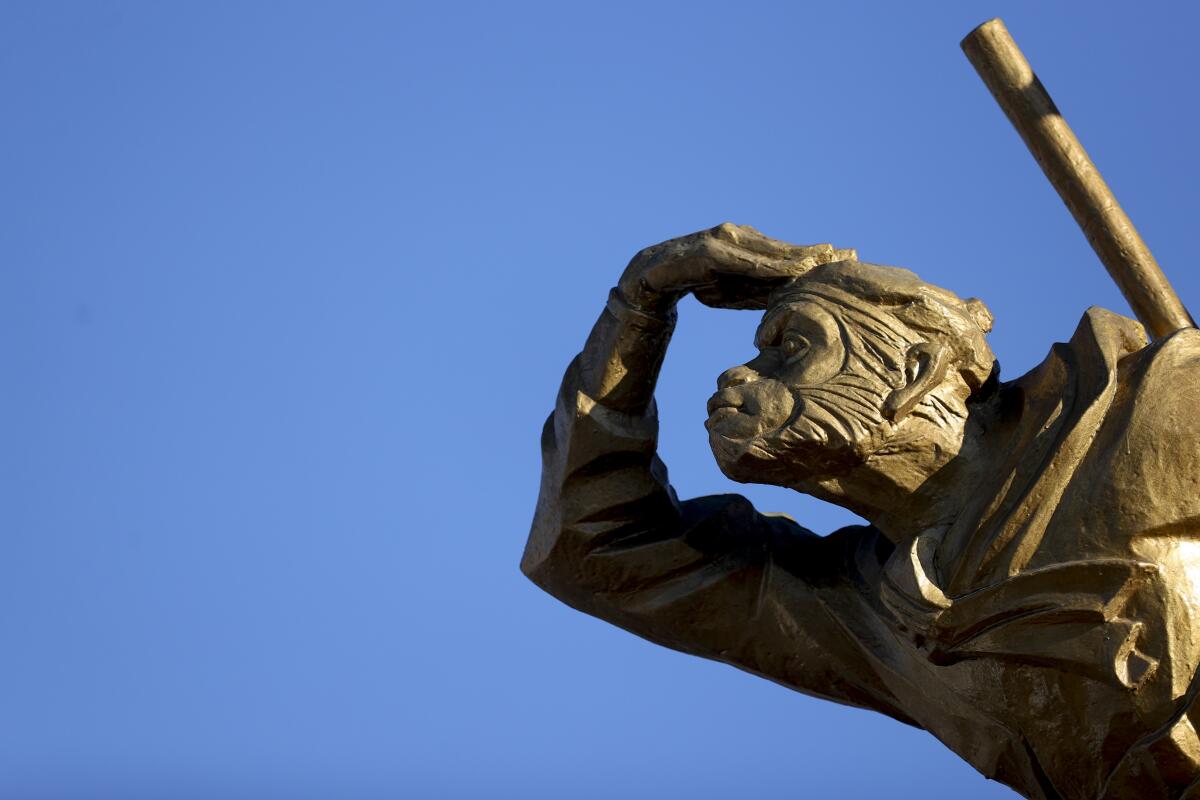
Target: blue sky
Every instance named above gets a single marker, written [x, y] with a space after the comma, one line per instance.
[286, 291]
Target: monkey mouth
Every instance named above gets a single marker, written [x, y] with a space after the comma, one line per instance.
[723, 418]
[713, 408]
[726, 415]
[724, 400]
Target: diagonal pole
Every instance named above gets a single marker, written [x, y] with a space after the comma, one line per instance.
[1029, 108]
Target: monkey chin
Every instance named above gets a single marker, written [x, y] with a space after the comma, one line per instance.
[755, 459]
[796, 455]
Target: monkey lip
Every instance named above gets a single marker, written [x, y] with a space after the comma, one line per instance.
[723, 401]
[729, 420]
[719, 414]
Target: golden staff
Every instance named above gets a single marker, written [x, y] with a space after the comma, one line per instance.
[1029, 108]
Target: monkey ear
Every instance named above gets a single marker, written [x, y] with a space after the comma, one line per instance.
[925, 367]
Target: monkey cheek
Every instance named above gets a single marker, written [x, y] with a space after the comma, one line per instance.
[774, 409]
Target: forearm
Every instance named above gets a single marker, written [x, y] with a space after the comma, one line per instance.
[607, 520]
[620, 362]
[601, 481]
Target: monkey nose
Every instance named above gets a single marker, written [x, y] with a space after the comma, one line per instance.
[736, 377]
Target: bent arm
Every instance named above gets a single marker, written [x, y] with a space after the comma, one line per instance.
[709, 576]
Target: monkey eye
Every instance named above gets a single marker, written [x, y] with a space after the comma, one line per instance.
[793, 345]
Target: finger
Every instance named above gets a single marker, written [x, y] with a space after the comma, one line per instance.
[730, 251]
[725, 258]
[821, 253]
[751, 239]
[747, 237]
[691, 262]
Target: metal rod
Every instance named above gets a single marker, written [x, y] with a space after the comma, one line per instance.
[1029, 108]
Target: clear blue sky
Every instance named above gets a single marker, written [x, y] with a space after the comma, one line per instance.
[286, 291]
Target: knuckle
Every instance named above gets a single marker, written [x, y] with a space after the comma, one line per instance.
[726, 230]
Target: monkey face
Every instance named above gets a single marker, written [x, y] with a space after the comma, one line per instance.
[800, 409]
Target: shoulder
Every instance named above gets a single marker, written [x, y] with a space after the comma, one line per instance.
[1122, 341]
[1161, 380]
[1152, 385]
[1174, 358]
[1143, 471]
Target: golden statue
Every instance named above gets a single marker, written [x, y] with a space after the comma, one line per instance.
[1025, 588]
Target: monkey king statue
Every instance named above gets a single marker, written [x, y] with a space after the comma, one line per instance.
[1025, 588]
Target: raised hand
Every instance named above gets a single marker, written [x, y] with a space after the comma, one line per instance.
[729, 266]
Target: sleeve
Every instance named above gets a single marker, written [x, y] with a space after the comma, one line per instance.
[709, 576]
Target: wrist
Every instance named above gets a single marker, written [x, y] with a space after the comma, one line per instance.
[646, 311]
[637, 295]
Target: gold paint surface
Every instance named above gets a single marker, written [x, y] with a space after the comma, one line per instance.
[1028, 587]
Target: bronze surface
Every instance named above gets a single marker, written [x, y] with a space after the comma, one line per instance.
[1026, 585]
